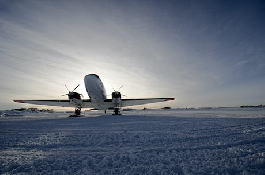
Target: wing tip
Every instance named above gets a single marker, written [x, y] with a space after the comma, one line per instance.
[169, 99]
[19, 101]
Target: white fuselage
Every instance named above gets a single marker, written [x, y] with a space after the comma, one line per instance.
[95, 88]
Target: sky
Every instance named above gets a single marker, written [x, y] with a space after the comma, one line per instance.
[202, 52]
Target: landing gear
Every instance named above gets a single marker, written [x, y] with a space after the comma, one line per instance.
[116, 101]
[116, 111]
[77, 113]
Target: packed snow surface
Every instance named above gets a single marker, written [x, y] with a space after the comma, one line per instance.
[209, 141]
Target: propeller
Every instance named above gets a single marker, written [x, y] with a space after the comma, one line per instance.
[118, 89]
[67, 87]
[117, 92]
[75, 87]
[71, 92]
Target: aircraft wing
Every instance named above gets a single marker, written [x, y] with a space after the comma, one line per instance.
[63, 103]
[88, 104]
[134, 102]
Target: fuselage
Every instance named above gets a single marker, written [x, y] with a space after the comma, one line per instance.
[95, 88]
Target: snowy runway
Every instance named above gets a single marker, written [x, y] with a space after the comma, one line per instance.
[216, 141]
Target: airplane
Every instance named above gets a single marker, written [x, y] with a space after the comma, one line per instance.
[97, 98]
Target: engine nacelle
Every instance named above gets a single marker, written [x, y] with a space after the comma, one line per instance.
[74, 95]
[116, 98]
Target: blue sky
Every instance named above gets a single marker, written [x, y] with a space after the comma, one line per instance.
[203, 53]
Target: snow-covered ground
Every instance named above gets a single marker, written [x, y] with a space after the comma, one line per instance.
[213, 141]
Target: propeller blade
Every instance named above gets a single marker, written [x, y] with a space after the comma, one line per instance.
[76, 87]
[120, 87]
[66, 87]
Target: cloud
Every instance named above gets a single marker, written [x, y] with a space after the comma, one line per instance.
[181, 49]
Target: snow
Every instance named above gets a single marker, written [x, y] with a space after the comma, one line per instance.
[195, 141]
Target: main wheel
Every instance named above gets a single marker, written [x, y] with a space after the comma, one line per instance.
[77, 112]
[116, 111]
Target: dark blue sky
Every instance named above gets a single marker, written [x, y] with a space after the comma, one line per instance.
[203, 53]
